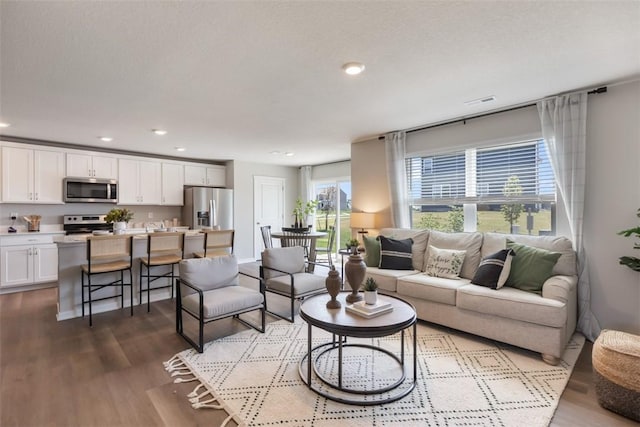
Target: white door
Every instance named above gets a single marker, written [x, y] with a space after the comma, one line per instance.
[268, 202]
[172, 184]
[149, 182]
[17, 265]
[45, 263]
[79, 165]
[48, 175]
[17, 174]
[128, 182]
[105, 167]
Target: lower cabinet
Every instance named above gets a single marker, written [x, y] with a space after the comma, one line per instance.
[24, 263]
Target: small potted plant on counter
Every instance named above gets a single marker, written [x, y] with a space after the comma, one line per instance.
[119, 217]
[370, 291]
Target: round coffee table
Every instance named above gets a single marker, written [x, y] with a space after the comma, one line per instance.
[341, 324]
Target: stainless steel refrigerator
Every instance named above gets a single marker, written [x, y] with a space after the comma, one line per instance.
[206, 207]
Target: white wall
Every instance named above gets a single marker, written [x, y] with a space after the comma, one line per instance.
[612, 198]
[244, 223]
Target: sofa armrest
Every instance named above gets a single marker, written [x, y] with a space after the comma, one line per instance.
[560, 288]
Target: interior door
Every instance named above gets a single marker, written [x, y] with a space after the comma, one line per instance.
[268, 202]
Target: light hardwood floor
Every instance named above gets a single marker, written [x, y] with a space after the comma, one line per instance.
[67, 374]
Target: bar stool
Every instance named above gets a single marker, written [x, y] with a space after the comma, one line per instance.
[107, 254]
[163, 250]
[216, 243]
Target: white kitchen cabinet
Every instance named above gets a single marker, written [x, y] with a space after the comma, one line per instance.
[28, 260]
[139, 182]
[212, 175]
[91, 166]
[32, 176]
[172, 184]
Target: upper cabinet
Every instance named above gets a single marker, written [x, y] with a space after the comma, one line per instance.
[92, 166]
[32, 176]
[172, 184]
[211, 175]
[139, 182]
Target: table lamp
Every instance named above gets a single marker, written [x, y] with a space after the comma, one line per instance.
[362, 220]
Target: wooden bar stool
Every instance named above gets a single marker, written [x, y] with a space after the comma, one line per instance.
[107, 254]
[163, 250]
[216, 243]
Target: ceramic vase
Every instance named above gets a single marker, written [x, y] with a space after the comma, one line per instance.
[119, 227]
[370, 297]
[355, 269]
[333, 287]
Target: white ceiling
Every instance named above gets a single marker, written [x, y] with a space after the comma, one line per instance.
[238, 80]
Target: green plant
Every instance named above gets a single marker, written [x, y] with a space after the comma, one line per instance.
[512, 211]
[353, 243]
[118, 215]
[302, 211]
[370, 285]
[630, 261]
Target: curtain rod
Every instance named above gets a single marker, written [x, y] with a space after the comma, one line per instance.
[602, 89]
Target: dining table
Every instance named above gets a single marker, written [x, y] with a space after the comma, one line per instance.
[286, 238]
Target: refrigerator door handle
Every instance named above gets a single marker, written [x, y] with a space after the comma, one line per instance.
[213, 215]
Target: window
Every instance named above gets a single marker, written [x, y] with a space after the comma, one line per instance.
[506, 188]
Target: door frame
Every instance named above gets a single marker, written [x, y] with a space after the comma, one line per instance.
[258, 181]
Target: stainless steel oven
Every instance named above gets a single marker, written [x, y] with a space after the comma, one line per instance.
[90, 190]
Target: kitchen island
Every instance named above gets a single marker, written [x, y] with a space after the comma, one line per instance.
[72, 254]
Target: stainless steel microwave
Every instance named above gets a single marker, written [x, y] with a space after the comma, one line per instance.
[90, 190]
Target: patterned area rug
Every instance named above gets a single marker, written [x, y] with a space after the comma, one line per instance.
[462, 380]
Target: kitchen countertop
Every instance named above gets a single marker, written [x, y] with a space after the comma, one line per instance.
[82, 238]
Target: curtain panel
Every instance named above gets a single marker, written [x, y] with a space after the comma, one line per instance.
[395, 149]
[564, 124]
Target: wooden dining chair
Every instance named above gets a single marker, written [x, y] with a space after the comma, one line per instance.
[217, 243]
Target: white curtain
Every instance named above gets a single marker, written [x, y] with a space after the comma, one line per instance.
[395, 150]
[306, 189]
[564, 124]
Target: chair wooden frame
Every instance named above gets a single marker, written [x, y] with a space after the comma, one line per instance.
[296, 237]
[265, 230]
[329, 249]
[116, 252]
[199, 346]
[163, 250]
[217, 243]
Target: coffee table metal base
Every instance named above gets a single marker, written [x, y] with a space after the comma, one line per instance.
[309, 364]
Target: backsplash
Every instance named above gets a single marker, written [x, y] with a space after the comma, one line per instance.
[52, 214]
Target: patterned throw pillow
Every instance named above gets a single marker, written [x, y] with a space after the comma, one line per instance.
[395, 254]
[371, 251]
[494, 269]
[445, 263]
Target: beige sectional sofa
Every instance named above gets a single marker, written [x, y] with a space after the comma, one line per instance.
[542, 323]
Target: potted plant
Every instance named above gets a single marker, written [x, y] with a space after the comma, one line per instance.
[302, 211]
[370, 291]
[119, 217]
[630, 261]
[352, 246]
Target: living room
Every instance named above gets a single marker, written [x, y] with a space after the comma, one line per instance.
[122, 353]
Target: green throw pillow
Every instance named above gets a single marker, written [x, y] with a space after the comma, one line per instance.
[371, 251]
[530, 267]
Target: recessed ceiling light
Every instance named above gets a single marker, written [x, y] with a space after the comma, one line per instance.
[275, 152]
[159, 132]
[353, 68]
[288, 154]
[4, 125]
[181, 149]
[105, 138]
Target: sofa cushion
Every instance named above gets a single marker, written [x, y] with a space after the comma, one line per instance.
[531, 267]
[387, 279]
[470, 242]
[436, 289]
[371, 251]
[512, 303]
[494, 269]
[302, 283]
[445, 263]
[566, 264]
[289, 259]
[419, 247]
[395, 254]
[197, 271]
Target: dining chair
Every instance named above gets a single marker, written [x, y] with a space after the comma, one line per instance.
[216, 243]
[163, 250]
[265, 230]
[296, 237]
[111, 255]
[327, 250]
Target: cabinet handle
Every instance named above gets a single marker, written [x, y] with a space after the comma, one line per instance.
[36, 251]
[36, 196]
[30, 252]
[30, 196]
[94, 172]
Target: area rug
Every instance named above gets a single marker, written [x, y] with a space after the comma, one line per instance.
[462, 380]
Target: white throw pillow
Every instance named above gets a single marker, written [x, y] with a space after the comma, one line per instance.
[445, 263]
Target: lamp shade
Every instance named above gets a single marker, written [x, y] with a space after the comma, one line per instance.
[362, 220]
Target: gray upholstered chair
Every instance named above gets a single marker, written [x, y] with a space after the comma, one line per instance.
[208, 289]
[284, 272]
